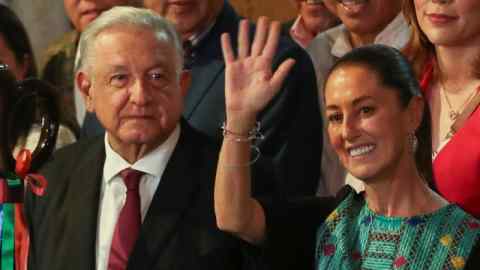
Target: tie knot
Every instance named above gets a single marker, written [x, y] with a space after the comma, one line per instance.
[131, 178]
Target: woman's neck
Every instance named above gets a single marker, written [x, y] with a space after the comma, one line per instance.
[402, 194]
[456, 65]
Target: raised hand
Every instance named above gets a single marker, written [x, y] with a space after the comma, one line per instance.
[250, 82]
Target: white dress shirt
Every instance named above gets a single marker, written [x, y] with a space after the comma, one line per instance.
[113, 191]
[300, 34]
[324, 50]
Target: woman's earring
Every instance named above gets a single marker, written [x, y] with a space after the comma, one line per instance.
[413, 142]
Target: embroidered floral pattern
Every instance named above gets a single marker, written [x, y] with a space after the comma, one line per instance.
[458, 262]
[329, 250]
[446, 240]
[356, 238]
[399, 262]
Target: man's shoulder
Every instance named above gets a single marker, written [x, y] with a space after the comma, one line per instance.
[325, 40]
[288, 48]
[320, 49]
[70, 156]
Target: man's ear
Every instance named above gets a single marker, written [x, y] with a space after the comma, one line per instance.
[185, 81]
[84, 85]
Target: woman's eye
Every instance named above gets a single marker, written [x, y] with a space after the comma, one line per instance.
[334, 118]
[367, 110]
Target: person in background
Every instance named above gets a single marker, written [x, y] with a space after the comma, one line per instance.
[379, 126]
[313, 18]
[445, 51]
[7, 80]
[363, 22]
[16, 52]
[140, 197]
[60, 56]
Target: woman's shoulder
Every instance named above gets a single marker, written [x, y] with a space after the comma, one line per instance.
[460, 233]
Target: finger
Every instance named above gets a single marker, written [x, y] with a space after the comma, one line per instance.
[243, 40]
[260, 36]
[227, 50]
[272, 41]
[281, 73]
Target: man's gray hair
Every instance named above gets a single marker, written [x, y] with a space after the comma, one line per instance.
[128, 16]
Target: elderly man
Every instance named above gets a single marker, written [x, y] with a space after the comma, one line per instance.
[60, 56]
[139, 197]
[313, 18]
[364, 22]
[291, 123]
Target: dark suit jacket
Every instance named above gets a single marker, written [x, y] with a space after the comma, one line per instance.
[179, 231]
[291, 123]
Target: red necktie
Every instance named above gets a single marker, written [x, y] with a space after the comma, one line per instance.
[128, 223]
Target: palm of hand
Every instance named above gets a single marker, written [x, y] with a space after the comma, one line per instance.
[250, 82]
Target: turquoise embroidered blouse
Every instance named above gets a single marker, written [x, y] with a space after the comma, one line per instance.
[354, 237]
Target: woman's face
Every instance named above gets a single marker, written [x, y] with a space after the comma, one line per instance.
[367, 125]
[8, 57]
[450, 23]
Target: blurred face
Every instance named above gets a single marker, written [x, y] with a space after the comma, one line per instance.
[367, 126]
[316, 16]
[82, 12]
[365, 16]
[450, 23]
[132, 86]
[8, 57]
[188, 16]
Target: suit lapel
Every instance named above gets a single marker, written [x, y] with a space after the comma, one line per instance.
[172, 198]
[82, 204]
[203, 78]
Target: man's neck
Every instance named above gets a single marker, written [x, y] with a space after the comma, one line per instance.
[359, 40]
[132, 152]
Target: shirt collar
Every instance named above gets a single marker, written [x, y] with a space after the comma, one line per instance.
[196, 38]
[153, 163]
[396, 34]
[299, 32]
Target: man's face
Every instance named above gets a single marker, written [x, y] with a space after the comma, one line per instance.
[131, 84]
[365, 16]
[188, 16]
[316, 16]
[82, 12]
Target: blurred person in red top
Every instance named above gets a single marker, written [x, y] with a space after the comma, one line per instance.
[445, 52]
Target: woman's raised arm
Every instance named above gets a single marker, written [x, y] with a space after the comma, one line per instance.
[250, 84]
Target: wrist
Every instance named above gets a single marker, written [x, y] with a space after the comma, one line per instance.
[240, 125]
